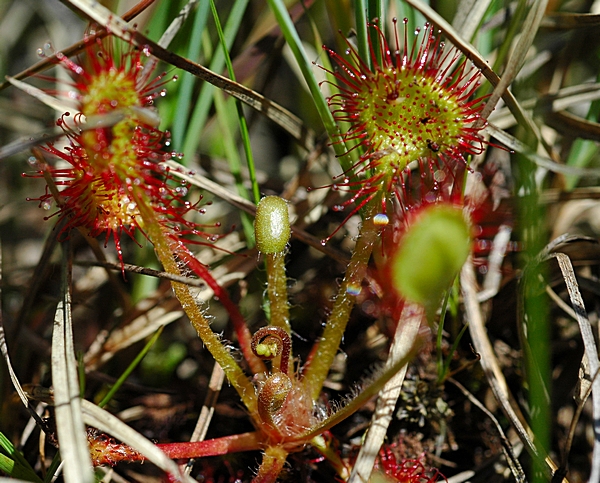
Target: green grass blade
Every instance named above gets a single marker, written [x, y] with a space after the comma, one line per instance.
[161, 17]
[295, 44]
[117, 385]
[205, 98]
[440, 335]
[332, 84]
[235, 165]
[583, 150]
[582, 153]
[362, 35]
[186, 87]
[376, 12]
[52, 469]
[446, 368]
[245, 135]
[13, 463]
[514, 29]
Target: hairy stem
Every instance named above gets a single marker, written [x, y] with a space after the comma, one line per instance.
[237, 319]
[212, 447]
[165, 247]
[278, 298]
[277, 290]
[355, 404]
[272, 464]
[110, 453]
[320, 360]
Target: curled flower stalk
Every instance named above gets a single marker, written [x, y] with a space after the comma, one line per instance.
[271, 342]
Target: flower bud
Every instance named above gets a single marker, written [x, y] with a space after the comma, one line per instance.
[272, 225]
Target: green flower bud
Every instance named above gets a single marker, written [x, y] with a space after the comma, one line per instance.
[432, 252]
[272, 225]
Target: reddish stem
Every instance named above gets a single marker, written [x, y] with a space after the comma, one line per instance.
[213, 447]
[114, 453]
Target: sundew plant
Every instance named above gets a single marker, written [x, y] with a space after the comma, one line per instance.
[308, 241]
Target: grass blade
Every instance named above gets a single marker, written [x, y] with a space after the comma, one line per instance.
[362, 36]
[205, 98]
[186, 87]
[295, 44]
[13, 463]
[241, 118]
[591, 352]
[123, 377]
[491, 366]
[235, 165]
[69, 421]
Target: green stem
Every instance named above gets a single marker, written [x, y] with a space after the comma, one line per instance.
[277, 291]
[165, 246]
[237, 319]
[360, 400]
[278, 298]
[332, 455]
[320, 360]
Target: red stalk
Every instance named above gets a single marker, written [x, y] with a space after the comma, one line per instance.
[113, 453]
